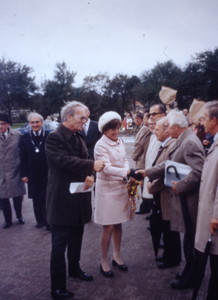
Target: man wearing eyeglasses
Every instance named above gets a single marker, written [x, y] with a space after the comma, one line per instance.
[11, 183]
[34, 168]
[68, 162]
[156, 112]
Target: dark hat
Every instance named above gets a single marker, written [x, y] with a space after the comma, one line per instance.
[5, 117]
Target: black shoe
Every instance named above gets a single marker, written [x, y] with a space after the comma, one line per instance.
[140, 212]
[60, 294]
[181, 285]
[108, 274]
[147, 218]
[164, 265]
[6, 225]
[39, 225]
[21, 220]
[159, 258]
[122, 267]
[81, 275]
[178, 276]
[48, 228]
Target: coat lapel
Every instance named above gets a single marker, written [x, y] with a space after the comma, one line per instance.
[215, 143]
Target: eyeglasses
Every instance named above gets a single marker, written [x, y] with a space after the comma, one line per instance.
[81, 118]
[36, 122]
[3, 124]
[153, 114]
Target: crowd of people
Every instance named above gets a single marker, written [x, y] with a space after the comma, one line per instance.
[190, 205]
[82, 150]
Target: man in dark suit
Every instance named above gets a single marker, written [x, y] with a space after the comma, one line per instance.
[68, 162]
[91, 134]
[34, 169]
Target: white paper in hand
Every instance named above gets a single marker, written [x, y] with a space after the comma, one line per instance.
[78, 187]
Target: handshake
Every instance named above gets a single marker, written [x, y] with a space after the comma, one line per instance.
[138, 174]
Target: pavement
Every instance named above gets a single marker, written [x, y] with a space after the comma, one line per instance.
[25, 257]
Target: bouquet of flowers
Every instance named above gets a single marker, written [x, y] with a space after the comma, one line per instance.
[133, 197]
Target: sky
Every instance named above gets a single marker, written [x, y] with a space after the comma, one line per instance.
[98, 36]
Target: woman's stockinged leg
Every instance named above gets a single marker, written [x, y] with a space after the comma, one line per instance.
[105, 243]
[116, 238]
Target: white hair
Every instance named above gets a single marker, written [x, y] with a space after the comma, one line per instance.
[34, 114]
[177, 118]
[161, 121]
[69, 109]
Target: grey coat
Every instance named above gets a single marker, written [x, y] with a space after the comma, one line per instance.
[208, 201]
[11, 184]
[188, 150]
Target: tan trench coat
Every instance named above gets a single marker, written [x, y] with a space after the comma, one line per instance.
[11, 184]
[188, 150]
[208, 201]
[142, 139]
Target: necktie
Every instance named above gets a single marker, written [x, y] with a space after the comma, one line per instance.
[4, 136]
[157, 156]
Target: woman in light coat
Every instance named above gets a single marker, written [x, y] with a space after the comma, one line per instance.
[111, 193]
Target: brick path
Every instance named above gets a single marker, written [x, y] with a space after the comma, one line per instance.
[25, 254]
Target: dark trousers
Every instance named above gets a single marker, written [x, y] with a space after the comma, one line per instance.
[39, 207]
[63, 237]
[6, 207]
[172, 245]
[145, 206]
[213, 283]
[188, 274]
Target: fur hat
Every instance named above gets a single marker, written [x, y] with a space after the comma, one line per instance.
[106, 118]
[167, 95]
[5, 117]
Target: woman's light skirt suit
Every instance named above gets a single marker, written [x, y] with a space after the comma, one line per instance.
[110, 193]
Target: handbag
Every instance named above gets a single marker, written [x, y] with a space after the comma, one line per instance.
[175, 172]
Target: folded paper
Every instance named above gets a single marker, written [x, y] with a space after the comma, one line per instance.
[78, 187]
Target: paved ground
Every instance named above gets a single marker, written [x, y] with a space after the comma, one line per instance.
[25, 254]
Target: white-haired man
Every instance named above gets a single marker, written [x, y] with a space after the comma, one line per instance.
[188, 150]
[161, 204]
[68, 162]
[207, 221]
[34, 168]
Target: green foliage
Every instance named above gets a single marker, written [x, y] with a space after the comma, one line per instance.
[200, 78]
[16, 86]
[163, 74]
[119, 95]
[59, 90]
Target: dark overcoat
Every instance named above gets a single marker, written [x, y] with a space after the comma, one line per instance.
[34, 165]
[68, 162]
[93, 135]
